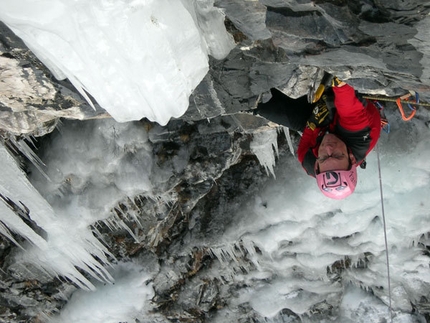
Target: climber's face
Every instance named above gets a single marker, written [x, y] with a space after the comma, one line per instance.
[333, 154]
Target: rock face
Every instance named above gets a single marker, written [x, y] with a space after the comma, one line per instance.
[31, 100]
[379, 47]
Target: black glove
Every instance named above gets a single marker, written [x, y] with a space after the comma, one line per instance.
[320, 117]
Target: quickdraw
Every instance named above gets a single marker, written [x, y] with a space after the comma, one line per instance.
[385, 125]
[413, 109]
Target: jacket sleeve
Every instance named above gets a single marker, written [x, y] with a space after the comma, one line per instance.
[352, 115]
[359, 123]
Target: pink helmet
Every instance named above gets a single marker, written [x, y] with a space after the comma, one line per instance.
[337, 184]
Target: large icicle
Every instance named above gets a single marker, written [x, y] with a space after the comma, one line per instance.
[136, 58]
[67, 245]
[265, 147]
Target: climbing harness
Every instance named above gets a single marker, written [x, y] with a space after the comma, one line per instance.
[385, 233]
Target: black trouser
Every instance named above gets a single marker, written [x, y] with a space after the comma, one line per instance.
[283, 110]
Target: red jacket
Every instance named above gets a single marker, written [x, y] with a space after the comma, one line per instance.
[358, 125]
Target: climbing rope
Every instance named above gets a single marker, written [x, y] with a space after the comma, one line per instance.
[386, 127]
[385, 233]
[387, 99]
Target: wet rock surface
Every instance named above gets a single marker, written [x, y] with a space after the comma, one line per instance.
[379, 47]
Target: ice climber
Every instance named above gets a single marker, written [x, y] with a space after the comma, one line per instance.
[338, 133]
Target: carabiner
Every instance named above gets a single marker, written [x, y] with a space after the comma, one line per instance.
[406, 98]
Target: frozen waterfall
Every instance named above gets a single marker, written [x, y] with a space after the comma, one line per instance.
[283, 247]
[136, 59]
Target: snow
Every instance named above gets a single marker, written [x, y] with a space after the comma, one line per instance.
[136, 58]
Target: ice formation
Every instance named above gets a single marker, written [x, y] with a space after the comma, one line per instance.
[300, 235]
[62, 245]
[123, 302]
[87, 173]
[265, 146]
[137, 59]
[287, 221]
